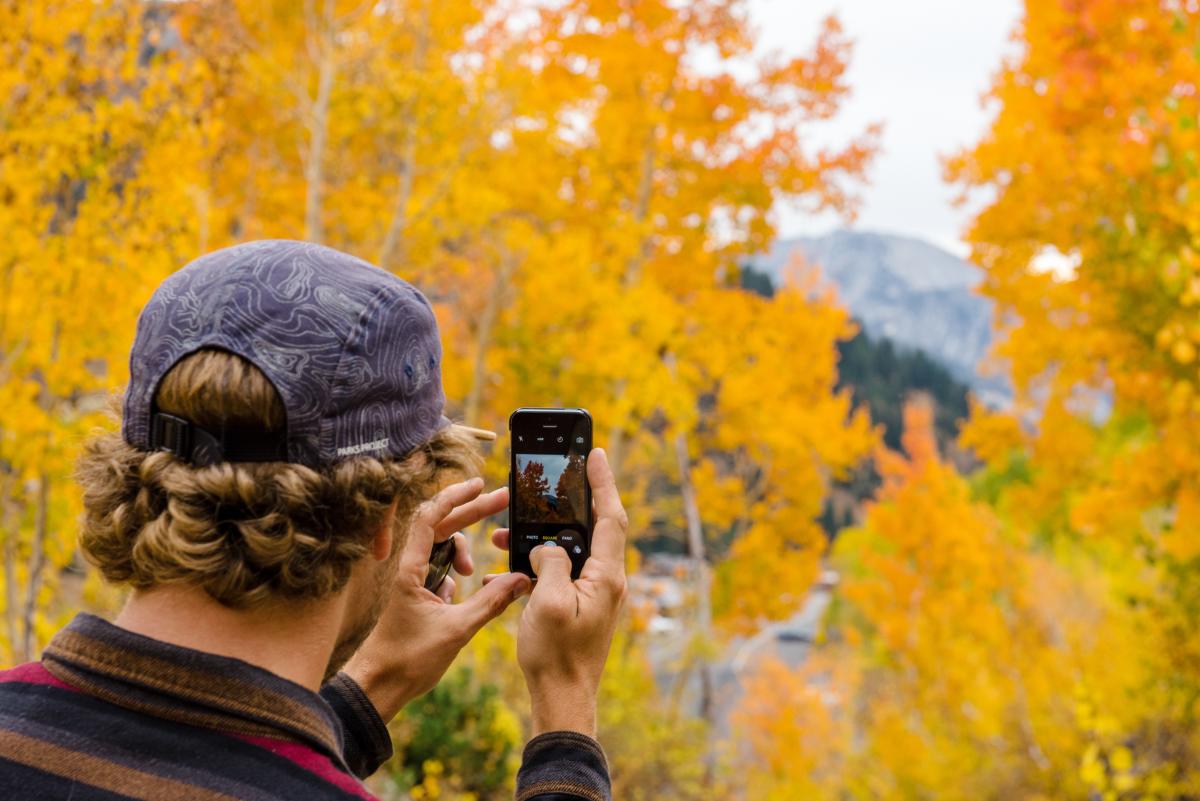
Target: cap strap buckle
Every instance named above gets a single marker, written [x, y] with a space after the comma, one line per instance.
[200, 447]
[171, 433]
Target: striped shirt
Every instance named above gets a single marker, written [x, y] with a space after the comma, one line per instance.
[109, 715]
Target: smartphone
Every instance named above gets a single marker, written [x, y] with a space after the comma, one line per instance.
[548, 492]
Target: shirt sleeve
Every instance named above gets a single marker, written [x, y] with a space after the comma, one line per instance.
[365, 738]
[563, 766]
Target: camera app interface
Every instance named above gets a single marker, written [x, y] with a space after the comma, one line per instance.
[550, 497]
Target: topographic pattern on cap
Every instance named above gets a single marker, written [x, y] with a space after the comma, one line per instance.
[353, 350]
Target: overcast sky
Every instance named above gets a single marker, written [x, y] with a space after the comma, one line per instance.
[919, 67]
[553, 464]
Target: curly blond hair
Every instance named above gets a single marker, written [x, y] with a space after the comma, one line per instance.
[246, 532]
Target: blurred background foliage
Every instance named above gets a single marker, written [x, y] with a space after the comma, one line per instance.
[579, 186]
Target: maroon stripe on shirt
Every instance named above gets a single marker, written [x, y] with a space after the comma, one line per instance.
[310, 760]
[34, 673]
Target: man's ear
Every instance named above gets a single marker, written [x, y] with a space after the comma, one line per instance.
[382, 541]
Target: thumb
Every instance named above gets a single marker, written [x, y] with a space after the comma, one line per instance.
[490, 601]
[551, 564]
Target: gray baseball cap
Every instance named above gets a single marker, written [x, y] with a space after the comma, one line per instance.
[352, 350]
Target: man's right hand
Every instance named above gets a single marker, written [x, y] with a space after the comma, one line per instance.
[567, 626]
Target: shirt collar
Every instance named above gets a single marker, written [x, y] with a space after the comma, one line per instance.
[188, 686]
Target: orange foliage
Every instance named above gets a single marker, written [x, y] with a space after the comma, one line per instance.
[574, 192]
[1031, 633]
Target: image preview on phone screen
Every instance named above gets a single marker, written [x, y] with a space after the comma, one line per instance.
[551, 500]
[550, 487]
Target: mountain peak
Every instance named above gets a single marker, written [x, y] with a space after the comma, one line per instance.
[907, 290]
[920, 264]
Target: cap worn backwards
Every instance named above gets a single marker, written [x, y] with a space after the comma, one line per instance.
[352, 350]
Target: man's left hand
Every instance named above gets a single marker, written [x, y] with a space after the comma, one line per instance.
[420, 633]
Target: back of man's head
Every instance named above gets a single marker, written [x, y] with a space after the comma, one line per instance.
[283, 398]
[245, 532]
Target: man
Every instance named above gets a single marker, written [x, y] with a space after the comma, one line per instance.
[281, 476]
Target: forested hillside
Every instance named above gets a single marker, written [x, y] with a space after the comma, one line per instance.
[882, 376]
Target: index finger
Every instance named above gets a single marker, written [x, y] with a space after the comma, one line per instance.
[470, 513]
[608, 535]
[421, 531]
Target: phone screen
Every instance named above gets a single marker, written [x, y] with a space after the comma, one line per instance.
[549, 495]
